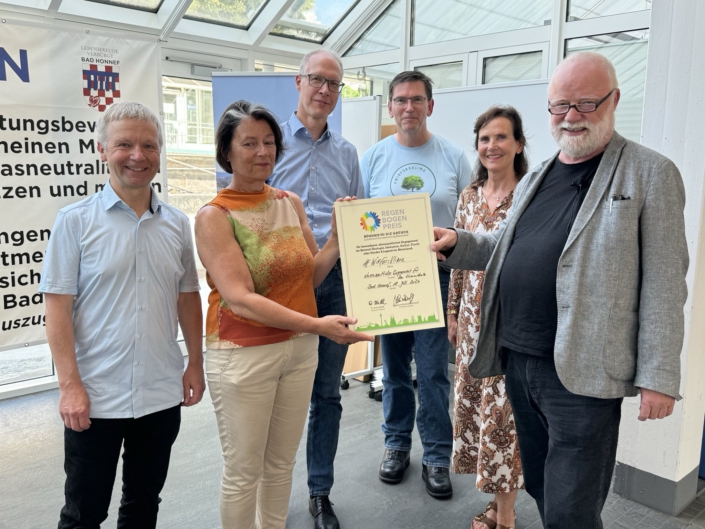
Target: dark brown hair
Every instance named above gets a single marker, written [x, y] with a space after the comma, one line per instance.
[411, 77]
[521, 162]
[231, 119]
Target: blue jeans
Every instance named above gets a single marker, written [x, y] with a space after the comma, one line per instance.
[568, 443]
[325, 409]
[398, 400]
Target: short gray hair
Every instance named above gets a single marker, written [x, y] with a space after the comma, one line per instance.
[128, 110]
[593, 58]
[324, 51]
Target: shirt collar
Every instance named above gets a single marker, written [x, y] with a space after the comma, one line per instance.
[296, 126]
[110, 198]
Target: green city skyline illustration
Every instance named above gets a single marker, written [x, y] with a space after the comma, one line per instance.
[384, 324]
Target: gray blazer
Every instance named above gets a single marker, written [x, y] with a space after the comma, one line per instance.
[620, 283]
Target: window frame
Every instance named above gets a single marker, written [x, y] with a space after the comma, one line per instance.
[446, 59]
[513, 50]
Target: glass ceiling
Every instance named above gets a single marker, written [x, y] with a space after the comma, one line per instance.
[441, 20]
[581, 9]
[144, 5]
[312, 20]
[383, 35]
[237, 13]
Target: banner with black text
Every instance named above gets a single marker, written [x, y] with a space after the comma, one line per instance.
[54, 86]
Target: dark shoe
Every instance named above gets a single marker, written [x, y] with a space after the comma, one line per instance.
[393, 465]
[321, 509]
[437, 481]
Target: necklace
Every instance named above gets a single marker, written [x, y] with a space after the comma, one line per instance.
[500, 198]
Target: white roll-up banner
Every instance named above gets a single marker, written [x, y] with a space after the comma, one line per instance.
[54, 86]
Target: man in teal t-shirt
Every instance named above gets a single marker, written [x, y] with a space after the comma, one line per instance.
[416, 161]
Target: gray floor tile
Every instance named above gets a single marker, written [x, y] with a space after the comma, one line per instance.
[631, 517]
[31, 477]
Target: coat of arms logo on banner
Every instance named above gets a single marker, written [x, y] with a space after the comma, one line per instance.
[101, 85]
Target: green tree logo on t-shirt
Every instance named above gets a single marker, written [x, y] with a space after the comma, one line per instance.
[412, 183]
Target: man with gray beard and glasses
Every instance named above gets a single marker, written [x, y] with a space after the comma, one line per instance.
[583, 295]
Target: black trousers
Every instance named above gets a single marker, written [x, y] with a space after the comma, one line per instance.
[91, 459]
[568, 443]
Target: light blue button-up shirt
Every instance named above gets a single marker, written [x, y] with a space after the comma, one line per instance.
[319, 173]
[126, 274]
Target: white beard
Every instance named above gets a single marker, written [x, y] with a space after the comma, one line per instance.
[581, 146]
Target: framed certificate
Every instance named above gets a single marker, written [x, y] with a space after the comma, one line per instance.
[390, 273]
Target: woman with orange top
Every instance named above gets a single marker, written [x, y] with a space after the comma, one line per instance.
[262, 265]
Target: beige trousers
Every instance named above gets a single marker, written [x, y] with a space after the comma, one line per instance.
[261, 396]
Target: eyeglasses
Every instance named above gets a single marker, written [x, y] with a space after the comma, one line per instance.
[318, 81]
[416, 101]
[582, 107]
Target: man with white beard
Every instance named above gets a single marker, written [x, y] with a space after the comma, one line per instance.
[583, 295]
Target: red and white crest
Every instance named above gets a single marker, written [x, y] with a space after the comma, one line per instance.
[101, 85]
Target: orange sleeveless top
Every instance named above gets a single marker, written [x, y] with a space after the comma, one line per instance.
[267, 228]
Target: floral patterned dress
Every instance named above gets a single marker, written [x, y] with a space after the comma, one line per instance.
[484, 434]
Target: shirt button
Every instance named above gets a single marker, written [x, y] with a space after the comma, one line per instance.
[315, 225]
[141, 308]
[140, 336]
[313, 168]
[312, 189]
[140, 250]
[141, 278]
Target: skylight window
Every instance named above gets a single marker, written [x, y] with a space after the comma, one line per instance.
[312, 20]
[237, 13]
[143, 5]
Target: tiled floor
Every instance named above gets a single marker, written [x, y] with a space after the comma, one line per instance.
[624, 514]
[31, 478]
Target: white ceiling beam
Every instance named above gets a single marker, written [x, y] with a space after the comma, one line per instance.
[355, 23]
[267, 19]
[109, 15]
[276, 44]
[212, 33]
[53, 8]
[173, 18]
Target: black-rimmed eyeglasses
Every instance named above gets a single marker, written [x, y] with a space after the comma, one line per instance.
[318, 81]
[583, 107]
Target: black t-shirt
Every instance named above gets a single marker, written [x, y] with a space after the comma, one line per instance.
[527, 282]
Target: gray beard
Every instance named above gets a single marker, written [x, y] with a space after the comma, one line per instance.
[579, 147]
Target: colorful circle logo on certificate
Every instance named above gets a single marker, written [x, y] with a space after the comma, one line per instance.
[369, 221]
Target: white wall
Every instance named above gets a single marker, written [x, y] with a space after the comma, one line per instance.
[674, 111]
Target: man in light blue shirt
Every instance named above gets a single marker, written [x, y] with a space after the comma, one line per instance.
[118, 276]
[320, 166]
[416, 161]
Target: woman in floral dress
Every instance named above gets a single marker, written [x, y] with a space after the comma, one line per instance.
[484, 434]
